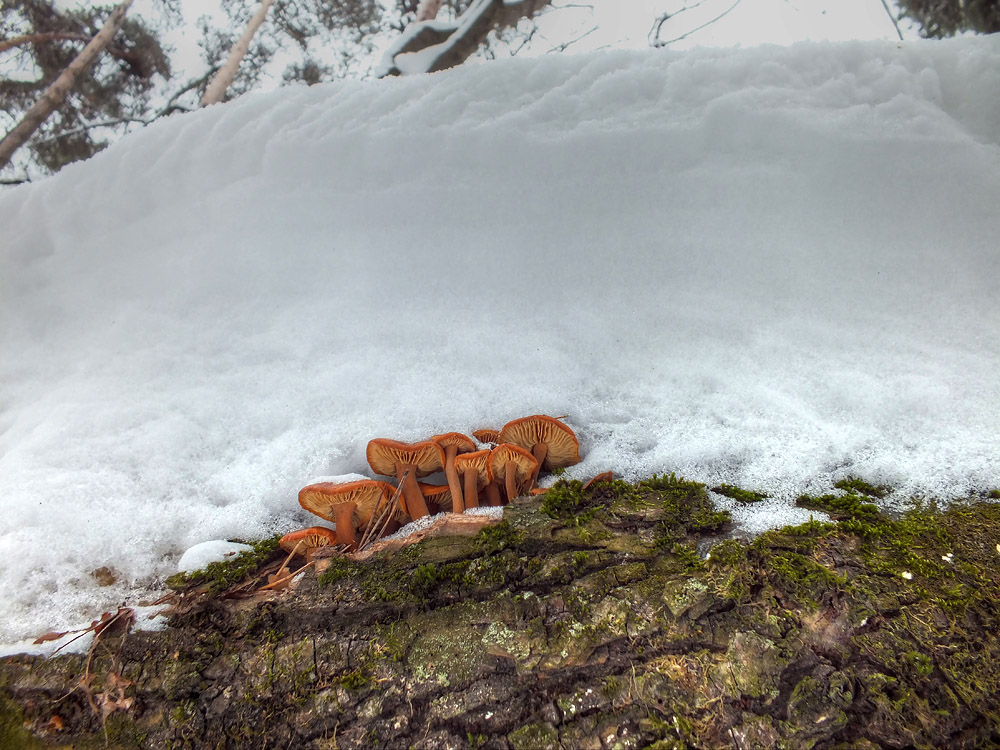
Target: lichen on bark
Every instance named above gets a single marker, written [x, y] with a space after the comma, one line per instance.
[589, 618]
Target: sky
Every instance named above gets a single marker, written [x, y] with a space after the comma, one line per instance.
[773, 267]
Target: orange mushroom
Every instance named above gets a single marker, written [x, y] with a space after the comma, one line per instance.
[474, 468]
[438, 496]
[515, 465]
[453, 444]
[406, 461]
[604, 476]
[552, 443]
[305, 541]
[487, 436]
[349, 505]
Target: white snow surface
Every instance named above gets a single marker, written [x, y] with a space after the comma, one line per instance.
[771, 267]
[205, 553]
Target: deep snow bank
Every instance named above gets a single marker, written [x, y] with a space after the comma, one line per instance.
[769, 267]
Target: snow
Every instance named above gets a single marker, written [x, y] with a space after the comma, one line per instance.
[204, 553]
[770, 267]
[339, 479]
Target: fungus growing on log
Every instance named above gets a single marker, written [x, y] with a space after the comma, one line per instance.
[437, 496]
[552, 443]
[474, 469]
[486, 436]
[305, 541]
[406, 462]
[515, 465]
[604, 476]
[454, 443]
[349, 505]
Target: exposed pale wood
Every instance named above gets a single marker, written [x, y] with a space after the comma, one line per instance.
[216, 90]
[56, 94]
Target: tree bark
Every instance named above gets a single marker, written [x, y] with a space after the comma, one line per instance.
[224, 78]
[56, 94]
[453, 45]
[428, 10]
[45, 38]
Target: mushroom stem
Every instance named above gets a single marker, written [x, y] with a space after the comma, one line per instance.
[415, 503]
[343, 516]
[450, 451]
[510, 480]
[471, 492]
[493, 494]
[539, 451]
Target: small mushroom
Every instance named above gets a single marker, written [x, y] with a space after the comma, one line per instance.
[487, 436]
[604, 476]
[305, 541]
[438, 496]
[474, 469]
[515, 465]
[454, 443]
[349, 505]
[552, 443]
[406, 461]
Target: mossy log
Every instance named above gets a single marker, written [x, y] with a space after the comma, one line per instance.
[616, 616]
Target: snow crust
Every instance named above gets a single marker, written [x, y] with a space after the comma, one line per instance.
[205, 553]
[770, 267]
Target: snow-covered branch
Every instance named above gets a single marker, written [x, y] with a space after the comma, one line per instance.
[434, 45]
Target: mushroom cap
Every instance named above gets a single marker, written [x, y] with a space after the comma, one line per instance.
[438, 494]
[486, 435]
[464, 443]
[526, 432]
[525, 464]
[367, 495]
[385, 455]
[478, 461]
[604, 476]
[307, 539]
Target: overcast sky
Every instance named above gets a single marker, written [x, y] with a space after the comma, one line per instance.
[752, 22]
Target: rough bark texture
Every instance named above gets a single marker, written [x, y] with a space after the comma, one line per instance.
[588, 619]
[56, 94]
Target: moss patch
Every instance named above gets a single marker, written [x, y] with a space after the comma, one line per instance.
[218, 576]
[589, 618]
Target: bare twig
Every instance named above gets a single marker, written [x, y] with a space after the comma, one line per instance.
[381, 519]
[657, 42]
[563, 47]
[895, 23]
[288, 577]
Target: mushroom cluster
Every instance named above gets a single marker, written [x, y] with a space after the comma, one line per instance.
[490, 470]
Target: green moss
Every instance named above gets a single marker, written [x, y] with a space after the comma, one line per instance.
[542, 736]
[799, 574]
[219, 576]
[342, 568]
[843, 507]
[811, 529]
[687, 556]
[501, 536]
[856, 486]
[739, 494]
[993, 494]
[13, 735]
[728, 553]
[568, 501]
[356, 679]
